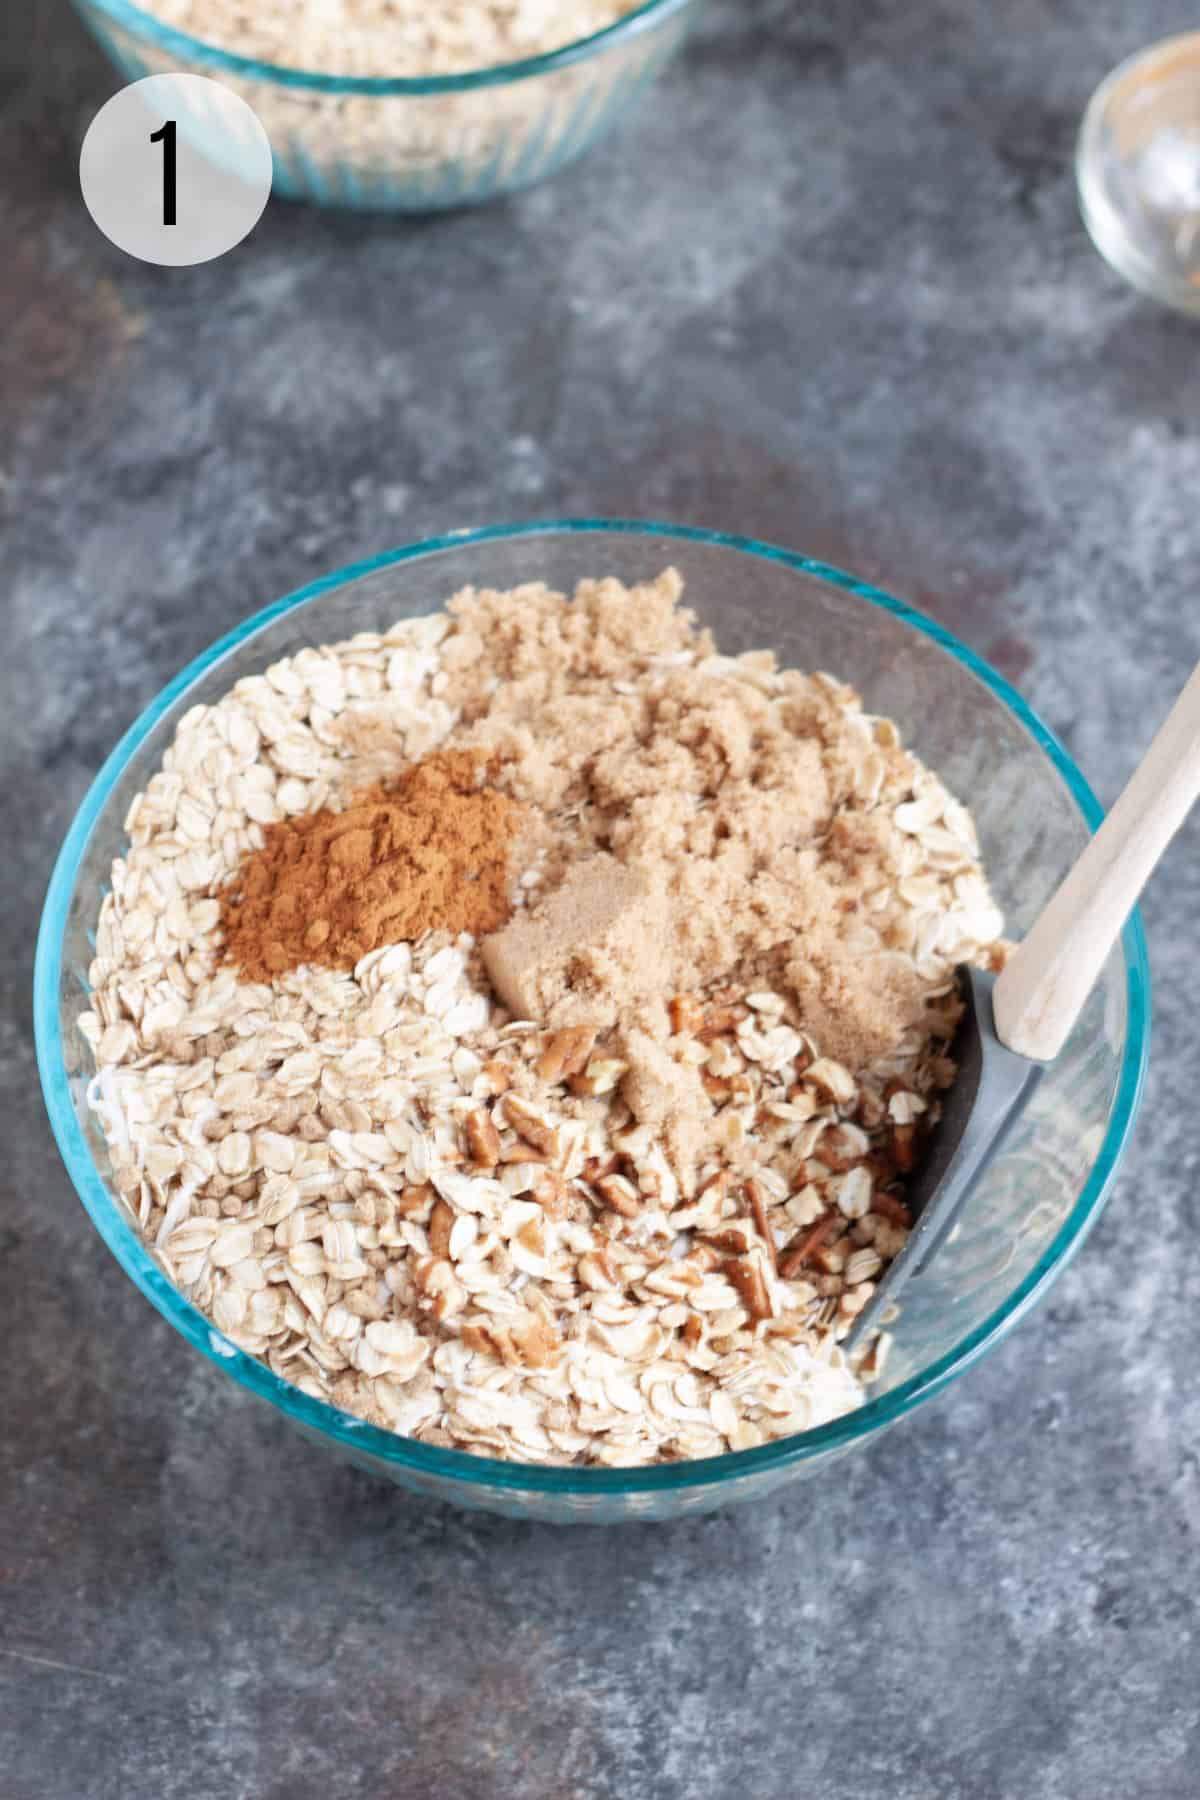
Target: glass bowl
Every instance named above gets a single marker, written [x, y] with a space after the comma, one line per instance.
[417, 144]
[1033, 1207]
[1137, 166]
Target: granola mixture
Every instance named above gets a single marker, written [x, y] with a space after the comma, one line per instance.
[630, 1226]
[390, 37]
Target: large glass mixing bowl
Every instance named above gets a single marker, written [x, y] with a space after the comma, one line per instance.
[1033, 1207]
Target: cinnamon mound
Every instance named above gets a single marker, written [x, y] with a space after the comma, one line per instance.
[429, 850]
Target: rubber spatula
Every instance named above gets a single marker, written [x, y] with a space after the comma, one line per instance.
[1016, 1023]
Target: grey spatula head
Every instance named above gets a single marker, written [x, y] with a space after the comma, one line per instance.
[993, 1087]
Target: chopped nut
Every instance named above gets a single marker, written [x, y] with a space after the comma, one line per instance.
[830, 1258]
[537, 1341]
[720, 1019]
[620, 1194]
[523, 1152]
[749, 1278]
[498, 1075]
[441, 1223]
[891, 1208]
[531, 1124]
[757, 1200]
[483, 1140]
[444, 1294]
[600, 1077]
[565, 1053]
[904, 1147]
[737, 1238]
[416, 1201]
[687, 1015]
[801, 1248]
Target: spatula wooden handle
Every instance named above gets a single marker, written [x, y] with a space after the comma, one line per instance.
[1041, 993]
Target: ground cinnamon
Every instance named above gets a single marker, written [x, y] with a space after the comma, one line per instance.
[427, 851]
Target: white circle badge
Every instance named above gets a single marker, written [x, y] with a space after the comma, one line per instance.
[175, 169]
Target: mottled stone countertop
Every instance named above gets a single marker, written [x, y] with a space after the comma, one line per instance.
[831, 289]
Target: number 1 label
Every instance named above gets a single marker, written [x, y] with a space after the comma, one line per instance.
[165, 136]
[138, 152]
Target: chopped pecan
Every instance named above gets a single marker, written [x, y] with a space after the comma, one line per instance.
[523, 1153]
[441, 1222]
[904, 1147]
[619, 1193]
[705, 1257]
[802, 1247]
[749, 1278]
[443, 1293]
[498, 1074]
[531, 1124]
[890, 1207]
[537, 1341]
[721, 1019]
[687, 1015]
[600, 1077]
[715, 1188]
[565, 1053]
[478, 1336]
[415, 1200]
[483, 1140]
[737, 1237]
[757, 1200]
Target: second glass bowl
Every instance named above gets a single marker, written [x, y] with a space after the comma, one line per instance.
[417, 145]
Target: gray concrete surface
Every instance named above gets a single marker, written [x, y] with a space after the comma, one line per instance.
[831, 289]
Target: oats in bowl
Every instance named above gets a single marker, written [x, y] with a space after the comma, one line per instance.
[405, 106]
[573, 1138]
[391, 37]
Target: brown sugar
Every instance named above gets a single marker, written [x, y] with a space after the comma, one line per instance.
[429, 850]
[597, 937]
[702, 821]
[699, 823]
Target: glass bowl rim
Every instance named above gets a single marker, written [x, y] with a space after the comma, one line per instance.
[423, 1460]
[181, 43]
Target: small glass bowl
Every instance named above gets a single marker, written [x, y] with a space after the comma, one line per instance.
[417, 145]
[1137, 166]
[1033, 1207]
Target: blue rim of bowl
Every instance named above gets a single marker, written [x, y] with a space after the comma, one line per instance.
[180, 43]
[429, 1461]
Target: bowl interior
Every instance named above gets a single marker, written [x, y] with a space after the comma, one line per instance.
[1033, 812]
